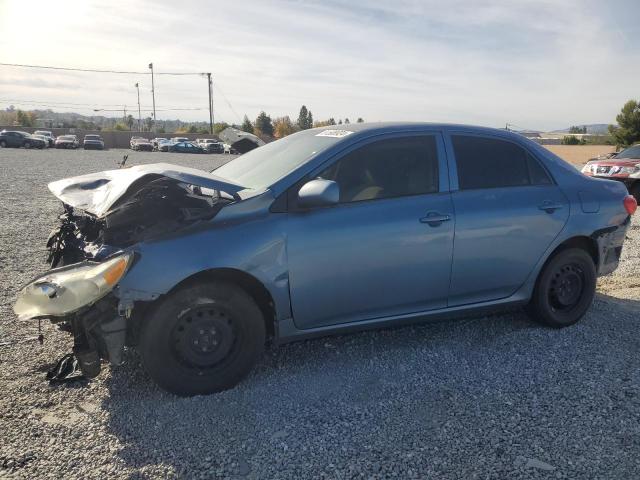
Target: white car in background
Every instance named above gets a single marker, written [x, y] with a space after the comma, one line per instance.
[51, 139]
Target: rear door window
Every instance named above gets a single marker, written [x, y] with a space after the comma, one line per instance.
[494, 163]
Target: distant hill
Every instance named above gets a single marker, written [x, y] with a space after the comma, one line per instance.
[593, 129]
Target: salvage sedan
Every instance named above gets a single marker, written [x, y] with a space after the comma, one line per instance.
[322, 232]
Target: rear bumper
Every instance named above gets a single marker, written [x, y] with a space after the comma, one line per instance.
[610, 241]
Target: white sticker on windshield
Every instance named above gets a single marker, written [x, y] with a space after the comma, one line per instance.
[334, 133]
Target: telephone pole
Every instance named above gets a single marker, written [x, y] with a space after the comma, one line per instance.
[139, 115]
[210, 103]
[153, 96]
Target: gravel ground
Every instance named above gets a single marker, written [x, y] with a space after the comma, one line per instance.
[490, 397]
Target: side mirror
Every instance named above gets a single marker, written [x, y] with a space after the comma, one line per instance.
[318, 193]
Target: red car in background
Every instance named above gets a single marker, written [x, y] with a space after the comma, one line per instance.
[623, 166]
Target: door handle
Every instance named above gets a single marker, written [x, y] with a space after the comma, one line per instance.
[434, 219]
[549, 206]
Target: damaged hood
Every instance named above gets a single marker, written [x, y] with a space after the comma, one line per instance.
[96, 193]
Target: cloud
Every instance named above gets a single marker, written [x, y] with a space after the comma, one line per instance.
[540, 64]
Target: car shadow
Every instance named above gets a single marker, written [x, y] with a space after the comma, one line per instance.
[421, 376]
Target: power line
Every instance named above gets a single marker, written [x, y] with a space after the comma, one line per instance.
[91, 70]
[48, 103]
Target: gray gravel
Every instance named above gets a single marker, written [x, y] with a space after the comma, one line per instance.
[490, 397]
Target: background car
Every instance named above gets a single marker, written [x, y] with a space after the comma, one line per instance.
[157, 141]
[67, 141]
[185, 147]
[43, 138]
[93, 142]
[623, 166]
[50, 137]
[163, 145]
[17, 139]
[210, 145]
[179, 139]
[141, 144]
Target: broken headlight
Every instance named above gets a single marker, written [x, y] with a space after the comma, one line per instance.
[65, 290]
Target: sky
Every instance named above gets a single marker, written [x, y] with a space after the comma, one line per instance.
[534, 64]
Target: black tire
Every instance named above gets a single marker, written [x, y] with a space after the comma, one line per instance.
[3, 144]
[565, 289]
[635, 191]
[202, 339]
[26, 144]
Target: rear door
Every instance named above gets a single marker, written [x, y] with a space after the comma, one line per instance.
[508, 211]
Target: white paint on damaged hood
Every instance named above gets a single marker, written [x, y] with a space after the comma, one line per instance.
[96, 193]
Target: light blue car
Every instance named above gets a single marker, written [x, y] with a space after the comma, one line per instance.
[325, 231]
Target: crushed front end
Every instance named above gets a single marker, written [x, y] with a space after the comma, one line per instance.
[94, 246]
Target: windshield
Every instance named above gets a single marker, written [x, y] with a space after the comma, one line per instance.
[262, 167]
[631, 152]
[92, 137]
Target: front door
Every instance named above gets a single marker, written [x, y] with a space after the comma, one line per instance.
[386, 248]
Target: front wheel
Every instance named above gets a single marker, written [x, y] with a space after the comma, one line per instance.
[565, 289]
[26, 144]
[3, 144]
[202, 339]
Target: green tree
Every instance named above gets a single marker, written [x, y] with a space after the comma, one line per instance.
[130, 121]
[120, 126]
[305, 118]
[572, 140]
[246, 126]
[263, 125]
[192, 129]
[360, 120]
[575, 129]
[346, 121]
[627, 131]
[148, 123]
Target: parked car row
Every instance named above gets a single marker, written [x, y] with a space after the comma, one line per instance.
[45, 139]
[181, 145]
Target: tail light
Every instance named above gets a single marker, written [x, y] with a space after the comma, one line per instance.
[630, 204]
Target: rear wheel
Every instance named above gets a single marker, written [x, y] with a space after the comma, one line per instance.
[3, 144]
[565, 289]
[202, 339]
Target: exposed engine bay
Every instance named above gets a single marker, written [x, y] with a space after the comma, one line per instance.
[159, 207]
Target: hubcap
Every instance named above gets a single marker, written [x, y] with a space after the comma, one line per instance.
[567, 286]
[203, 337]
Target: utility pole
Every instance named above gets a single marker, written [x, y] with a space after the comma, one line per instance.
[139, 116]
[153, 96]
[124, 113]
[210, 103]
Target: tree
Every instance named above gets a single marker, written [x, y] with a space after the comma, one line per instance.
[130, 121]
[192, 129]
[120, 127]
[220, 126]
[360, 120]
[283, 126]
[263, 125]
[340, 122]
[572, 140]
[574, 129]
[305, 118]
[346, 121]
[246, 125]
[148, 123]
[26, 119]
[628, 130]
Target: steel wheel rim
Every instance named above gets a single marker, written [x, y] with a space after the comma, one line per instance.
[567, 287]
[204, 338]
